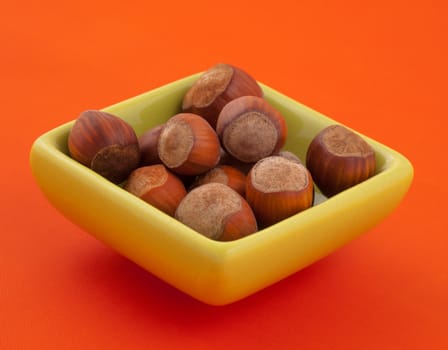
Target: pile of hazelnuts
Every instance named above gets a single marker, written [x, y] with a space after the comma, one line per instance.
[219, 166]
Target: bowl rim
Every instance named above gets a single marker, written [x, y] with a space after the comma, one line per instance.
[51, 147]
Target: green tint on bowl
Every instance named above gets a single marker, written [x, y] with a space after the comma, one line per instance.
[214, 272]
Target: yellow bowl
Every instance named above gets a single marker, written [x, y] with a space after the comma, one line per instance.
[214, 272]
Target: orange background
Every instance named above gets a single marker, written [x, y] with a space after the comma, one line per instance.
[379, 67]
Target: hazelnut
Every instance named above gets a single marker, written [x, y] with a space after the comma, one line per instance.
[105, 143]
[217, 212]
[227, 159]
[148, 146]
[277, 188]
[251, 129]
[290, 155]
[215, 88]
[338, 159]
[157, 186]
[225, 174]
[188, 145]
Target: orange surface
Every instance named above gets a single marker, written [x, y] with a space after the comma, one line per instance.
[380, 68]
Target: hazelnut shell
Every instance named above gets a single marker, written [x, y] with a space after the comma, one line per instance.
[188, 145]
[216, 87]
[217, 212]
[251, 129]
[225, 174]
[148, 146]
[277, 188]
[156, 185]
[338, 159]
[105, 143]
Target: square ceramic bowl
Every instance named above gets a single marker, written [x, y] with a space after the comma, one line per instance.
[214, 272]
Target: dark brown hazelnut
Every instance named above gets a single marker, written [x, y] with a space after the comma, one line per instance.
[156, 185]
[148, 146]
[188, 145]
[215, 88]
[338, 159]
[105, 143]
[277, 188]
[225, 174]
[251, 129]
[217, 212]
